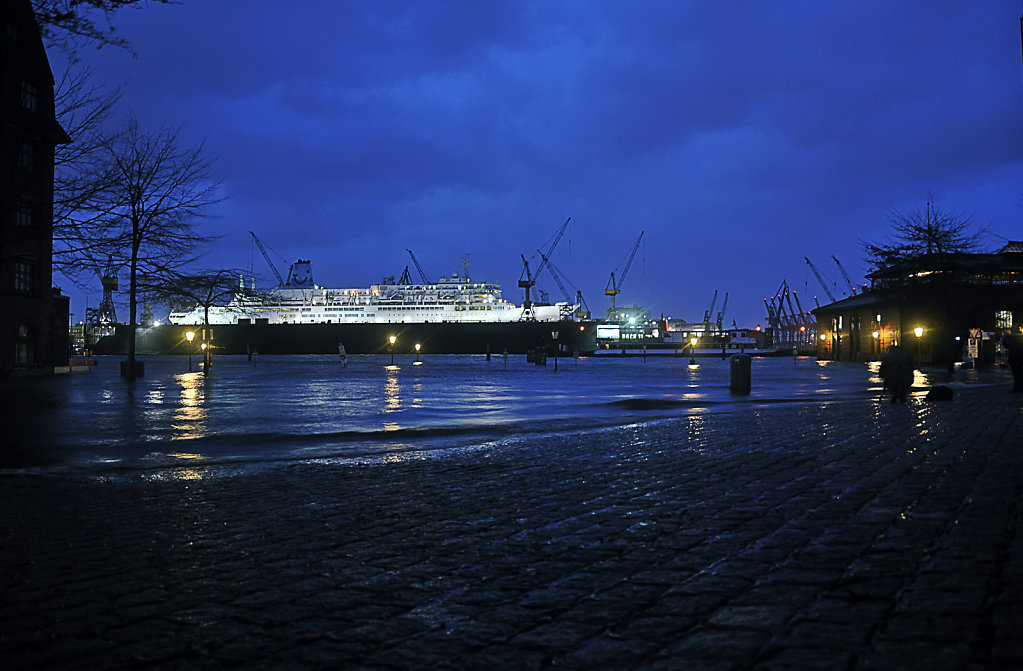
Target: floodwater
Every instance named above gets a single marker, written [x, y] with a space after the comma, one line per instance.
[247, 414]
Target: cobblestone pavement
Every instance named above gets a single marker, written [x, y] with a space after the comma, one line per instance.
[854, 535]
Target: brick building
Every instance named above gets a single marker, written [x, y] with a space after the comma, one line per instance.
[33, 314]
[932, 305]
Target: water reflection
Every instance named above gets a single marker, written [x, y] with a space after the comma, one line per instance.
[187, 473]
[191, 414]
[392, 390]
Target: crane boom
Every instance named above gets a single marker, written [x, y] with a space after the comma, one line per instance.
[845, 275]
[820, 279]
[259, 243]
[560, 279]
[550, 249]
[613, 288]
[710, 311]
[628, 264]
[419, 268]
[721, 315]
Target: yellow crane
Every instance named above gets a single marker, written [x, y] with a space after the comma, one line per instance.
[614, 288]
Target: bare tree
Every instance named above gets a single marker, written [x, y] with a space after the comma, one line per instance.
[203, 288]
[927, 231]
[82, 107]
[154, 194]
[72, 24]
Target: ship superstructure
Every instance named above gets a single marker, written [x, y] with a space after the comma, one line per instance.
[454, 299]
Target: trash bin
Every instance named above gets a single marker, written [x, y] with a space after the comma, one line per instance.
[739, 369]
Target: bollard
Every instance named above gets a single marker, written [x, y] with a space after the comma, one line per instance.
[739, 369]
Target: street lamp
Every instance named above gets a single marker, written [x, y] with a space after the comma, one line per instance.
[554, 334]
[391, 340]
[418, 347]
[189, 336]
[692, 350]
[918, 332]
[205, 356]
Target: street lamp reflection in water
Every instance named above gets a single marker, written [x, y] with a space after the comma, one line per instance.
[189, 336]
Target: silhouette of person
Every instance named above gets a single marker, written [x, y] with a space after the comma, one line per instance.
[897, 372]
[1014, 343]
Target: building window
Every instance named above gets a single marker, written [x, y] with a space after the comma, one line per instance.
[24, 348]
[1003, 319]
[23, 217]
[23, 276]
[26, 156]
[29, 96]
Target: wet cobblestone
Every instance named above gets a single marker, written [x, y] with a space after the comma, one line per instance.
[853, 535]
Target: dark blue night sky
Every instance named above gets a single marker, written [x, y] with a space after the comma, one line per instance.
[741, 136]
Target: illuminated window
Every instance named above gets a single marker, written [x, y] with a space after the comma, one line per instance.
[1003, 319]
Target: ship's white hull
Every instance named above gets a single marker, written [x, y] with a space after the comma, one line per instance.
[367, 314]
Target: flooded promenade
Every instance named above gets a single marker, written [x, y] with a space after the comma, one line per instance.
[835, 534]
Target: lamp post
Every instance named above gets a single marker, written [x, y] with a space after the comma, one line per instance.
[189, 336]
[918, 332]
[418, 347]
[391, 340]
[554, 334]
[205, 356]
[692, 350]
[877, 341]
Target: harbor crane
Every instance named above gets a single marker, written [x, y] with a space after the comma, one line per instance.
[527, 284]
[845, 275]
[527, 280]
[560, 278]
[259, 243]
[776, 316]
[721, 315]
[419, 268]
[820, 279]
[708, 313]
[614, 288]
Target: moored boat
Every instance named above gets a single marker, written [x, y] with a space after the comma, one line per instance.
[454, 315]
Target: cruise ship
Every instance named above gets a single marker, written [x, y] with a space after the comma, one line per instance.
[454, 315]
[455, 299]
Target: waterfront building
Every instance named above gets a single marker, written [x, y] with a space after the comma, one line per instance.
[942, 308]
[34, 329]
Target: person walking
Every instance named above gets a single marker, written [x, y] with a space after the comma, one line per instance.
[897, 372]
